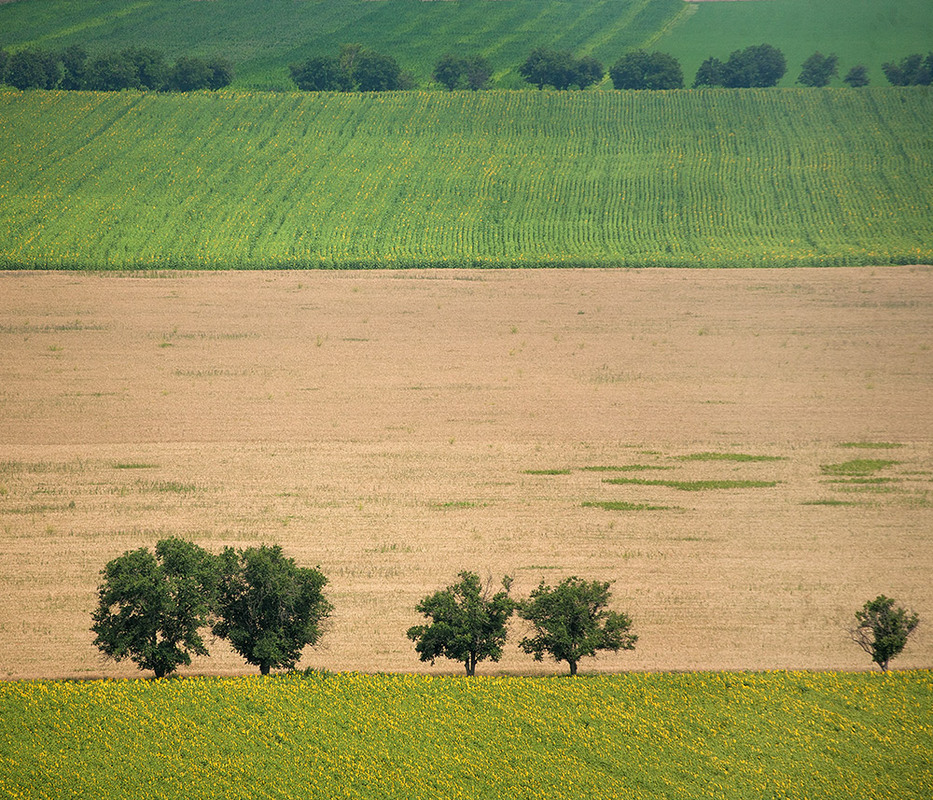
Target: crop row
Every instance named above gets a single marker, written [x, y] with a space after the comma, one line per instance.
[241, 180]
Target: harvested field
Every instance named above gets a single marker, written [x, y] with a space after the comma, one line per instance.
[397, 427]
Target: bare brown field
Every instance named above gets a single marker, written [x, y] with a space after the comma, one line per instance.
[397, 427]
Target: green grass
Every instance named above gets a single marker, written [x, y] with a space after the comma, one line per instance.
[741, 457]
[547, 472]
[618, 505]
[693, 486]
[417, 179]
[868, 32]
[626, 468]
[857, 467]
[791, 735]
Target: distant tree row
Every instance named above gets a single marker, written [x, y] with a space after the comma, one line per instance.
[132, 68]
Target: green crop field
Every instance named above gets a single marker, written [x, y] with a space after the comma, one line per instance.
[698, 735]
[717, 178]
[262, 38]
[868, 32]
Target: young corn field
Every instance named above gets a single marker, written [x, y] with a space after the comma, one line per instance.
[717, 178]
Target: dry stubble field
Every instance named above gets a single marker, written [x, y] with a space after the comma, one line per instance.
[397, 427]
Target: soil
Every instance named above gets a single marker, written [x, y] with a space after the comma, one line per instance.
[395, 428]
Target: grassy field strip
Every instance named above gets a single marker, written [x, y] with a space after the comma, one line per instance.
[498, 179]
[636, 735]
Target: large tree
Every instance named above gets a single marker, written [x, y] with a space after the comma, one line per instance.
[467, 622]
[151, 607]
[642, 70]
[914, 70]
[560, 69]
[269, 608]
[758, 66]
[571, 621]
[882, 629]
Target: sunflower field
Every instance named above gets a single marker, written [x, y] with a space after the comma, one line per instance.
[715, 178]
[327, 735]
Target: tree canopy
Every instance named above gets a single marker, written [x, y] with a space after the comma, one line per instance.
[818, 70]
[468, 623]
[642, 70]
[560, 69]
[150, 607]
[268, 607]
[571, 621]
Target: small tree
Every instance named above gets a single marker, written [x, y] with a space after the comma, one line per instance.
[467, 624]
[150, 607]
[857, 76]
[882, 630]
[571, 622]
[641, 70]
[472, 72]
[712, 72]
[818, 70]
[269, 608]
[318, 74]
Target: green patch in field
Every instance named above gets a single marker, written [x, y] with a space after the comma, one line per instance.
[829, 502]
[627, 468]
[728, 457]
[455, 504]
[618, 505]
[547, 472]
[693, 486]
[135, 465]
[857, 466]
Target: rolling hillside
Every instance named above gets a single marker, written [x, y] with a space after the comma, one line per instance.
[263, 37]
[493, 179]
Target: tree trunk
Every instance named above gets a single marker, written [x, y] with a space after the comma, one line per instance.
[573, 667]
[264, 669]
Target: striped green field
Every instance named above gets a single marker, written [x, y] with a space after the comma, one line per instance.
[262, 37]
[717, 178]
[868, 32]
[685, 736]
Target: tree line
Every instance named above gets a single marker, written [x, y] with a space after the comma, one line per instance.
[132, 68]
[760, 66]
[152, 606]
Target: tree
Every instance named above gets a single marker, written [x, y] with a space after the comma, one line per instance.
[268, 607]
[882, 630]
[33, 69]
[545, 67]
[375, 72]
[857, 76]
[467, 624]
[757, 66]
[818, 70]
[472, 72]
[189, 74]
[571, 622]
[112, 73]
[587, 71]
[914, 70]
[74, 66]
[151, 68]
[150, 607]
[712, 72]
[641, 70]
[317, 74]
[221, 70]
